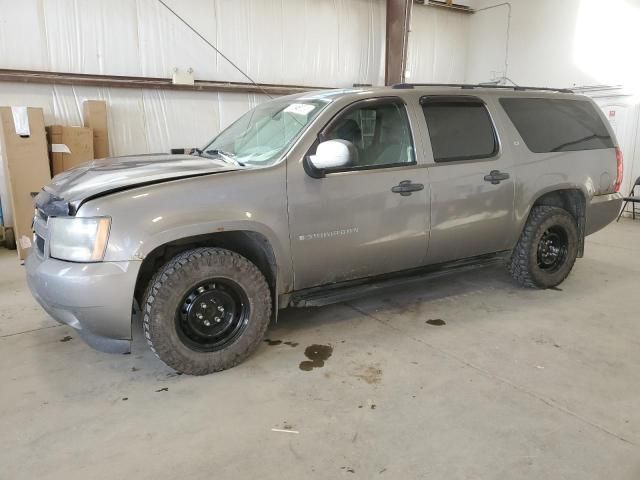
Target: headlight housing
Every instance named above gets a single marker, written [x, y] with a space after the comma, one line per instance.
[78, 239]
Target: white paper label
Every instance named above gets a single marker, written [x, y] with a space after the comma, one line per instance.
[25, 242]
[59, 148]
[21, 121]
[299, 108]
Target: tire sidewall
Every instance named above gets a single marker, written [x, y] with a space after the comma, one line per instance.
[167, 294]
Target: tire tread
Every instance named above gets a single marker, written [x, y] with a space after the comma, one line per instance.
[162, 280]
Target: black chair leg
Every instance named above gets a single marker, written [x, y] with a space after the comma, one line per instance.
[622, 211]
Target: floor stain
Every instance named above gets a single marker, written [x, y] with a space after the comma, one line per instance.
[124, 399]
[436, 322]
[66, 339]
[278, 342]
[317, 355]
[165, 389]
[370, 374]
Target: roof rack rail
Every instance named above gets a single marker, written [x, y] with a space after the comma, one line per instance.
[470, 86]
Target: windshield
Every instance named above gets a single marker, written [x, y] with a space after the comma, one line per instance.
[261, 135]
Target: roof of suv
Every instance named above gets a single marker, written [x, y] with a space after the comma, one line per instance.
[459, 89]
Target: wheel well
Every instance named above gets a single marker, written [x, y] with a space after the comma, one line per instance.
[251, 245]
[571, 200]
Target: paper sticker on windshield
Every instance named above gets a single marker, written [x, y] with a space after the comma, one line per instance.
[299, 108]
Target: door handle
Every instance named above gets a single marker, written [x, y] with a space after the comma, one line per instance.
[406, 188]
[495, 177]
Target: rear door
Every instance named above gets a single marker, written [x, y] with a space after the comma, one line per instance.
[471, 179]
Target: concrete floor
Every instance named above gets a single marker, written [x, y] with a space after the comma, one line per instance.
[516, 384]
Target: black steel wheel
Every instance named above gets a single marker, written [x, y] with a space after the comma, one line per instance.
[212, 315]
[547, 248]
[553, 248]
[206, 310]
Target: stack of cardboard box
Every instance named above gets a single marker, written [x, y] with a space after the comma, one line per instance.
[72, 146]
[29, 161]
[95, 118]
[24, 154]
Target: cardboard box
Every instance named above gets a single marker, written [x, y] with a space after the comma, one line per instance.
[26, 165]
[94, 113]
[69, 147]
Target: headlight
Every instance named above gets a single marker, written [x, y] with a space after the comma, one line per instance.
[78, 239]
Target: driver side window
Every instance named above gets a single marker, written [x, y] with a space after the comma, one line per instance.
[380, 134]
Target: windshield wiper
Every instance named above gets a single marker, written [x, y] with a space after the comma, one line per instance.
[227, 157]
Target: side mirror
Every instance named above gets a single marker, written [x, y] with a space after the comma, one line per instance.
[330, 155]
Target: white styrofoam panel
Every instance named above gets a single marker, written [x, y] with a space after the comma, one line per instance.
[308, 42]
[437, 46]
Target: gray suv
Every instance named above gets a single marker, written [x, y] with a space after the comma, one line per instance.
[310, 198]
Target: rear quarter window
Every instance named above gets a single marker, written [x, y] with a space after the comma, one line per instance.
[550, 125]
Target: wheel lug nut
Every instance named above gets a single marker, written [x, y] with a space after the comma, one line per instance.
[217, 319]
[203, 305]
[207, 323]
[221, 308]
[199, 316]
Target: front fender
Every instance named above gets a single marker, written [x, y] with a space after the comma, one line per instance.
[148, 217]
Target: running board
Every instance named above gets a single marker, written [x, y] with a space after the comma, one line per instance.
[345, 291]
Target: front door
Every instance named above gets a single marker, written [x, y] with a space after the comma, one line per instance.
[361, 221]
[471, 177]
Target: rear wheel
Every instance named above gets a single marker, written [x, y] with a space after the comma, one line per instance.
[206, 310]
[547, 248]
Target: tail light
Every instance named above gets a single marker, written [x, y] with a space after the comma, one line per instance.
[620, 166]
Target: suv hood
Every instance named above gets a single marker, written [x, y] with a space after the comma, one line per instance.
[119, 173]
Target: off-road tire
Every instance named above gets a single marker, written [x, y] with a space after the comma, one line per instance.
[523, 265]
[166, 290]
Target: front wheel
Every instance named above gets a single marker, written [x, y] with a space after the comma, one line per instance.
[547, 248]
[206, 310]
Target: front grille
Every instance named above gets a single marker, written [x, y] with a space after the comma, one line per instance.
[47, 205]
[40, 244]
[40, 230]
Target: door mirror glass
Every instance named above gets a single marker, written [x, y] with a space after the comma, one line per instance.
[331, 155]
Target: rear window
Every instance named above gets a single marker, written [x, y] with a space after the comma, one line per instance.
[460, 128]
[548, 125]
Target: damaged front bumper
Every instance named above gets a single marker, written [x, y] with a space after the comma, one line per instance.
[95, 299]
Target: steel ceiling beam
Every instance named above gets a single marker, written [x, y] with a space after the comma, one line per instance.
[113, 81]
[398, 21]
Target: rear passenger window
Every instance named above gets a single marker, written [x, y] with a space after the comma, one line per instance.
[548, 125]
[460, 128]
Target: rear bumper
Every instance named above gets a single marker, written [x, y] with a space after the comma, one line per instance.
[96, 299]
[601, 211]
